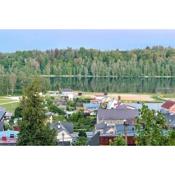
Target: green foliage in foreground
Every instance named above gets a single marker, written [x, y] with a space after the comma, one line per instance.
[118, 141]
[82, 138]
[82, 141]
[152, 129]
[34, 129]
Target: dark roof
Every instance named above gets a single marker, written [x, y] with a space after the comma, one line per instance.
[168, 104]
[1, 125]
[100, 126]
[2, 113]
[94, 140]
[170, 119]
[117, 114]
[59, 126]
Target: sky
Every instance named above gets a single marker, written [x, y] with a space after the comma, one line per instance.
[13, 40]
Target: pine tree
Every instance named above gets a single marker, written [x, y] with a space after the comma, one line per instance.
[34, 129]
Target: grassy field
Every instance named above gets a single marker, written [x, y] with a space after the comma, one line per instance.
[8, 103]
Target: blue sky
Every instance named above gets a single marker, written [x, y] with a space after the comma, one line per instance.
[12, 40]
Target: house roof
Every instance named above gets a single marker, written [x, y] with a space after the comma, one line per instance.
[91, 105]
[60, 126]
[117, 114]
[168, 104]
[2, 113]
[116, 130]
[8, 114]
[1, 126]
[172, 109]
[94, 140]
[100, 126]
[170, 119]
[67, 90]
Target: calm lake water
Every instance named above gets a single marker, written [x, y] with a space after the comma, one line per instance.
[119, 85]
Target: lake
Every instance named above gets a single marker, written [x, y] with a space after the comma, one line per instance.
[119, 85]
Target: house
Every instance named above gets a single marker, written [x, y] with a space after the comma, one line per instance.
[2, 115]
[68, 93]
[8, 137]
[8, 115]
[93, 138]
[168, 107]
[64, 132]
[100, 98]
[112, 104]
[118, 115]
[170, 118]
[109, 132]
[91, 108]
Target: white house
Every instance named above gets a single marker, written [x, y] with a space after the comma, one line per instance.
[69, 93]
[64, 132]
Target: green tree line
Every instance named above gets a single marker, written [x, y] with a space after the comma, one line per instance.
[155, 61]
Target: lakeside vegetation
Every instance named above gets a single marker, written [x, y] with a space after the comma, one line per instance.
[145, 70]
[156, 62]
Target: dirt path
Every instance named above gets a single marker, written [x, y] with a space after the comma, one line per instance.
[126, 97]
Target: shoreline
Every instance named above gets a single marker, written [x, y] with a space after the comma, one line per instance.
[91, 76]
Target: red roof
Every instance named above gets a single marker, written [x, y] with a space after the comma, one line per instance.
[168, 104]
[172, 110]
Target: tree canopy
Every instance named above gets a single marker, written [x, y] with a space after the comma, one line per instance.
[152, 129]
[155, 61]
[118, 141]
[34, 129]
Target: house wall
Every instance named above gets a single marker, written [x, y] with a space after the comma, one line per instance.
[118, 122]
[67, 137]
[105, 140]
[70, 95]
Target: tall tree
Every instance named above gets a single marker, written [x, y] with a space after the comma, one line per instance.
[34, 129]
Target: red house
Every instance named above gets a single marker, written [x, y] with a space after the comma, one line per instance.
[168, 107]
[105, 140]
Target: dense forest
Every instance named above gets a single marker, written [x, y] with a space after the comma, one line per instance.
[155, 61]
[19, 66]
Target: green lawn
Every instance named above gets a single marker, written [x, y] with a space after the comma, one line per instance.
[9, 104]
